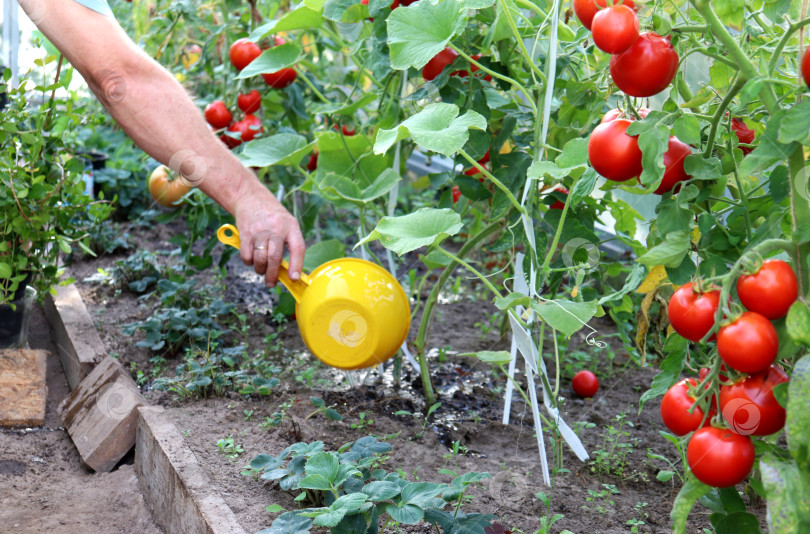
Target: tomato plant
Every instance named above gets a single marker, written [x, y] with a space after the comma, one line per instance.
[585, 384]
[719, 457]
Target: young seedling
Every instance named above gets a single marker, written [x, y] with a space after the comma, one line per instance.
[363, 423]
[328, 411]
[423, 422]
[230, 448]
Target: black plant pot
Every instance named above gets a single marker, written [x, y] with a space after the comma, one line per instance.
[14, 320]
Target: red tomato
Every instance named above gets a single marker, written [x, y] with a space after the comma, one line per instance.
[243, 52]
[719, 457]
[673, 165]
[406, 2]
[586, 9]
[248, 127]
[806, 66]
[647, 67]
[692, 314]
[217, 114]
[281, 78]
[251, 102]
[749, 344]
[484, 159]
[348, 131]
[615, 29]
[313, 162]
[744, 134]
[614, 154]
[435, 66]
[770, 291]
[749, 407]
[585, 384]
[675, 409]
[456, 193]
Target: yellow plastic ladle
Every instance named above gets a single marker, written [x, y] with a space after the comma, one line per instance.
[351, 313]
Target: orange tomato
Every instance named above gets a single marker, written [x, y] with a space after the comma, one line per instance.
[166, 187]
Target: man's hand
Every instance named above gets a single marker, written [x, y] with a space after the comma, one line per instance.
[264, 229]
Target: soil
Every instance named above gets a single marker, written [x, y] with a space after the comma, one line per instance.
[471, 395]
[45, 487]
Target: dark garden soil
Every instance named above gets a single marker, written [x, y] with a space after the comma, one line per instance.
[45, 487]
[471, 395]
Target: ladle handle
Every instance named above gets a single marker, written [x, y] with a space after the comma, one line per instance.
[229, 235]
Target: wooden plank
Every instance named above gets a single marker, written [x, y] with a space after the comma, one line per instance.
[101, 415]
[80, 347]
[23, 391]
[180, 496]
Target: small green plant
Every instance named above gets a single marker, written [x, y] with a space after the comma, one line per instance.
[637, 522]
[348, 491]
[248, 414]
[547, 520]
[422, 420]
[455, 451]
[278, 417]
[611, 457]
[230, 448]
[601, 501]
[328, 411]
[665, 475]
[363, 422]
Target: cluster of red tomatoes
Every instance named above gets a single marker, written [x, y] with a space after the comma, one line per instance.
[616, 155]
[643, 64]
[242, 53]
[747, 344]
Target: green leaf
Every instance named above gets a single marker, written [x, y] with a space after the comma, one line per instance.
[671, 369]
[321, 252]
[5, 271]
[274, 508]
[687, 128]
[729, 12]
[315, 482]
[438, 128]
[289, 523]
[279, 149]
[272, 60]
[324, 464]
[794, 126]
[653, 144]
[769, 150]
[691, 491]
[343, 10]
[788, 495]
[348, 108]
[335, 186]
[301, 18]
[738, 523]
[798, 416]
[424, 227]
[477, 4]
[420, 31]
[351, 157]
[701, 168]
[564, 315]
[637, 274]
[381, 490]
[408, 514]
[418, 493]
[583, 187]
[798, 323]
[670, 253]
[499, 357]
[574, 154]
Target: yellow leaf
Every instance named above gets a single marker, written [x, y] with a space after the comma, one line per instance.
[507, 147]
[655, 278]
[695, 235]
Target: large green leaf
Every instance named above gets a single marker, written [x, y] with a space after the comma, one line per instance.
[381, 490]
[420, 31]
[691, 491]
[289, 523]
[279, 149]
[634, 279]
[351, 157]
[438, 128]
[407, 514]
[798, 416]
[788, 495]
[323, 463]
[421, 228]
[564, 315]
[272, 59]
[419, 493]
[794, 127]
[798, 323]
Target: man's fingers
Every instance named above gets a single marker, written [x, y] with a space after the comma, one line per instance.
[275, 251]
[297, 248]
